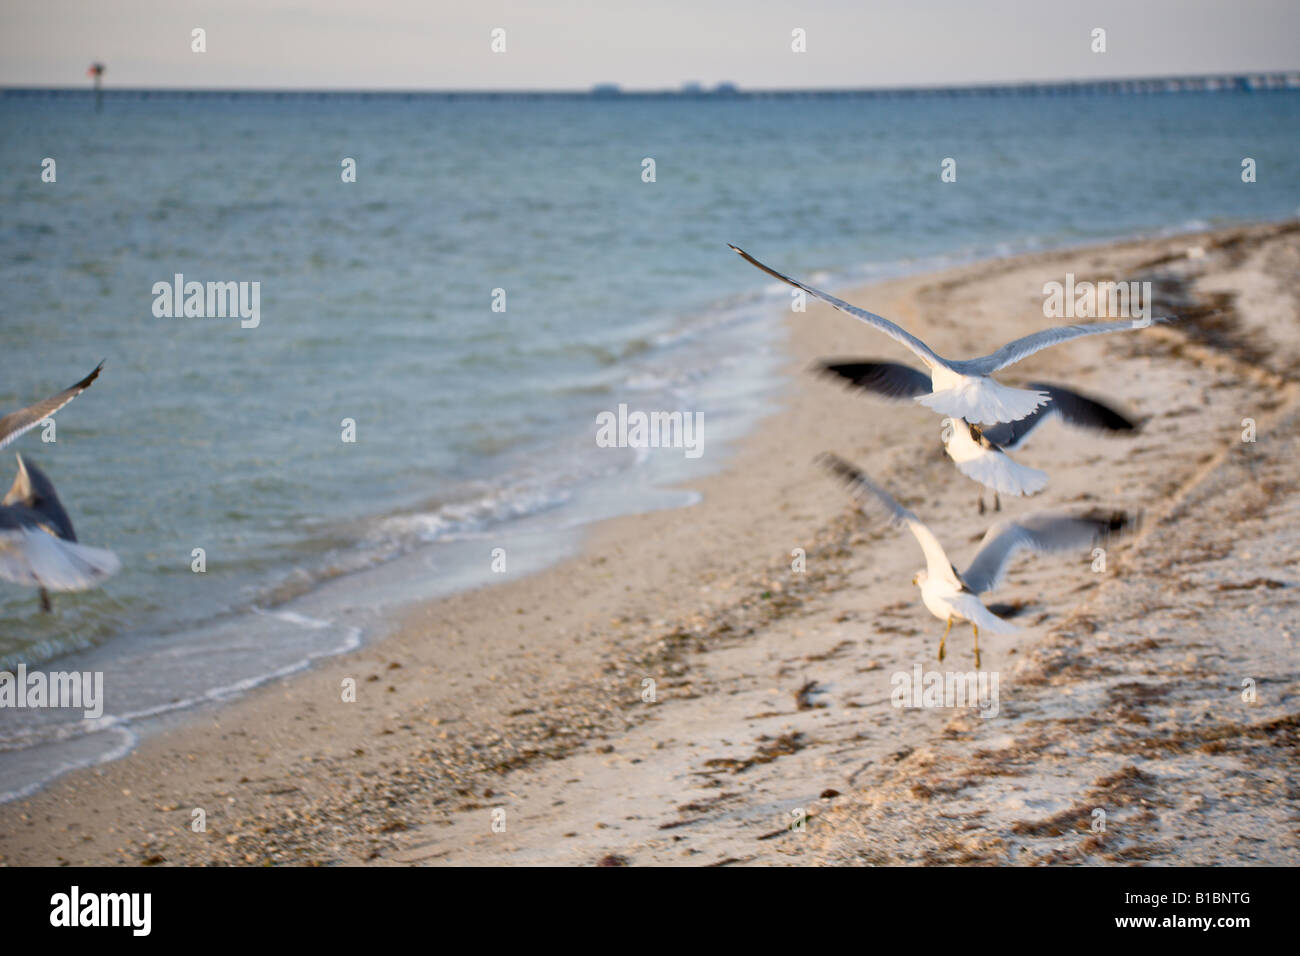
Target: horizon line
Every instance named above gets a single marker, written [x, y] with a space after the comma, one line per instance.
[1289, 77]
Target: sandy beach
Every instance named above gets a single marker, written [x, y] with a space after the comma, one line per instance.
[511, 725]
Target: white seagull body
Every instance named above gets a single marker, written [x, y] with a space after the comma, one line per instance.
[981, 453]
[980, 459]
[950, 594]
[963, 388]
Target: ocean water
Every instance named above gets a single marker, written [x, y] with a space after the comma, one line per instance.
[474, 427]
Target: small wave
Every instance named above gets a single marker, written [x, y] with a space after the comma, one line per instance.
[452, 521]
[129, 741]
[293, 617]
[122, 723]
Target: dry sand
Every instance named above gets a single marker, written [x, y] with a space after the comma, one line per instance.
[524, 702]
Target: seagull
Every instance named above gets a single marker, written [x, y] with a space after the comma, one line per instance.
[950, 594]
[25, 419]
[962, 388]
[38, 547]
[981, 453]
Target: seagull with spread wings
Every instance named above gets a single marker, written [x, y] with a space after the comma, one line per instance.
[950, 594]
[964, 388]
[25, 419]
[38, 546]
[981, 453]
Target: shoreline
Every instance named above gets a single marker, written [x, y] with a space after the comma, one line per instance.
[544, 537]
[498, 710]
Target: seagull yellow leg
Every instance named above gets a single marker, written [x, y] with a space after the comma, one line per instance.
[977, 644]
[943, 639]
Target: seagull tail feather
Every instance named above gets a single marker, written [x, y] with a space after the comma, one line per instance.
[997, 471]
[977, 613]
[984, 401]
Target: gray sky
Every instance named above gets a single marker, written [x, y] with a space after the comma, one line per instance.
[640, 44]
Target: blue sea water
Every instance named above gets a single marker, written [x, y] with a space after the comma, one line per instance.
[474, 427]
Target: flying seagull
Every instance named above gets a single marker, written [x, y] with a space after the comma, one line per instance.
[981, 453]
[962, 388]
[38, 547]
[25, 419]
[951, 594]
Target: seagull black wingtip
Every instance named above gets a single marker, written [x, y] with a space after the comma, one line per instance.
[838, 466]
[85, 382]
[1116, 522]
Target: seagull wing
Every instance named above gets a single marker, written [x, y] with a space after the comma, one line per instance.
[867, 491]
[25, 419]
[923, 351]
[1075, 409]
[1021, 348]
[887, 379]
[1042, 532]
